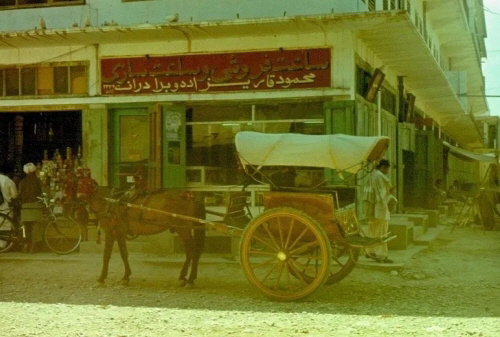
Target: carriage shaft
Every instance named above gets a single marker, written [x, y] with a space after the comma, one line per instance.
[209, 225]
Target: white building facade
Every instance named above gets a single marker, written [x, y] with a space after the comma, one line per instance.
[162, 87]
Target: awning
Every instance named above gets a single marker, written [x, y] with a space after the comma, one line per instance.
[469, 155]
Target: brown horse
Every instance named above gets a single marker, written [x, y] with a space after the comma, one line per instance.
[118, 220]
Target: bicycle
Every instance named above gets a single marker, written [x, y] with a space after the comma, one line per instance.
[62, 234]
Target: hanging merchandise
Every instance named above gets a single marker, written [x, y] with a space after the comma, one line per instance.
[51, 132]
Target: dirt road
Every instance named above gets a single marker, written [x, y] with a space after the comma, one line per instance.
[450, 289]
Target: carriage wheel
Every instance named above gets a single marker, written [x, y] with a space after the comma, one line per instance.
[285, 254]
[63, 235]
[344, 258]
[7, 233]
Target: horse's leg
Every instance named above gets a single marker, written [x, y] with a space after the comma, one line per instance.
[199, 241]
[122, 244]
[106, 256]
[188, 245]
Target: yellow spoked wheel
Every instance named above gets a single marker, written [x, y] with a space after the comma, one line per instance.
[344, 258]
[285, 254]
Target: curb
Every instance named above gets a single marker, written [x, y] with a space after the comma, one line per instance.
[400, 258]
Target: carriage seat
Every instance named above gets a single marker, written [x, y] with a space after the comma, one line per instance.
[237, 213]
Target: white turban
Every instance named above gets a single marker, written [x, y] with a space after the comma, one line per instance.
[28, 168]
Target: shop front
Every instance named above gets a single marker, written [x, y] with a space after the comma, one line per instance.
[192, 143]
[52, 140]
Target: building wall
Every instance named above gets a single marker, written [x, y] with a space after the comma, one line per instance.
[346, 51]
[96, 141]
[154, 12]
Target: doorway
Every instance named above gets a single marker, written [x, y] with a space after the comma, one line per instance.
[130, 151]
[409, 177]
[38, 135]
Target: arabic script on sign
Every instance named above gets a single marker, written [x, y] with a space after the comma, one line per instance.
[269, 70]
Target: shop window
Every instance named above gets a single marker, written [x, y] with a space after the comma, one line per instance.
[28, 81]
[11, 82]
[12, 4]
[78, 78]
[47, 133]
[70, 80]
[363, 78]
[61, 80]
[220, 113]
[44, 80]
[288, 111]
[211, 153]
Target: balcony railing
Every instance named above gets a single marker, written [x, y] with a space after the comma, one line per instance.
[418, 20]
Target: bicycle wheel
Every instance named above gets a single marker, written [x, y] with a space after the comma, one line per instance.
[7, 233]
[63, 235]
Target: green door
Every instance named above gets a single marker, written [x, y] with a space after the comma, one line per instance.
[130, 146]
[149, 143]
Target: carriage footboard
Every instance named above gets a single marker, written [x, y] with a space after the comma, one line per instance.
[365, 241]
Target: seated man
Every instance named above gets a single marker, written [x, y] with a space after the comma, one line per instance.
[437, 195]
[455, 191]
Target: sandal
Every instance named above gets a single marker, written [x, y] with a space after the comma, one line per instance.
[371, 256]
[384, 260]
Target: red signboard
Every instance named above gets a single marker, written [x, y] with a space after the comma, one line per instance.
[246, 71]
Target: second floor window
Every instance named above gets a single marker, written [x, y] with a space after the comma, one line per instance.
[13, 4]
[43, 80]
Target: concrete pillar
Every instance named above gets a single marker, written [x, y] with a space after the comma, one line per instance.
[95, 145]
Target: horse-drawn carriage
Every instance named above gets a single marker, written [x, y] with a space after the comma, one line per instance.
[301, 241]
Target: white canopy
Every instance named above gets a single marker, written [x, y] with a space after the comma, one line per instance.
[339, 152]
[469, 155]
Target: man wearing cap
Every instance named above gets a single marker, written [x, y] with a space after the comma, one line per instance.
[30, 188]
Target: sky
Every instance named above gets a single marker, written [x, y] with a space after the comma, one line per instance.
[491, 66]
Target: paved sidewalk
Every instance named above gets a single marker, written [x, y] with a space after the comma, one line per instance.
[92, 251]
[89, 251]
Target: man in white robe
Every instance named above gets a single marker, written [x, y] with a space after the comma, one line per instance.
[9, 191]
[377, 197]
